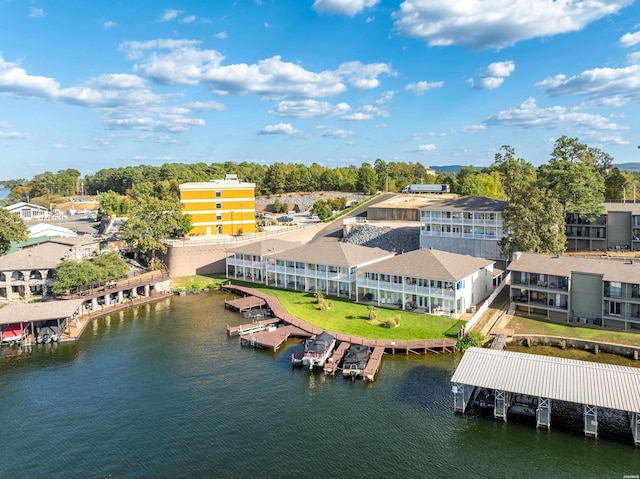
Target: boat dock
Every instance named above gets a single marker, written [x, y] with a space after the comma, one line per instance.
[272, 337]
[379, 346]
[548, 380]
[244, 304]
[373, 364]
[331, 366]
[251, 328]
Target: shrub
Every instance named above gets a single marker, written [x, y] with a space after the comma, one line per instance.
[473, 338]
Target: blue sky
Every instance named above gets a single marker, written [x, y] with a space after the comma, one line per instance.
[100, 84]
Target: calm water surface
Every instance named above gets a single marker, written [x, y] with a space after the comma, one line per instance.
[159, 391]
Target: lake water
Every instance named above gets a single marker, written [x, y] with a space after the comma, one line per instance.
[4, 193]
[160, 391]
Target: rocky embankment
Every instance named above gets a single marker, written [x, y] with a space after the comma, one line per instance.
[306, 200]
[400, 240]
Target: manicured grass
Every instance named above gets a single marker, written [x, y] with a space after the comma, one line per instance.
[578, 354]
[197, 281]
[522, 325]
[350, 318]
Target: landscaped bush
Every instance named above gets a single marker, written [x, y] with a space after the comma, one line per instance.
[472, 338]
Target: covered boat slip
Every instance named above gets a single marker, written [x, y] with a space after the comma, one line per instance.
[37, 314]
[511, 375]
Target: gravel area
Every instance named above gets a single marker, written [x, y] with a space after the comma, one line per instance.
[306, 200]
[400, 240]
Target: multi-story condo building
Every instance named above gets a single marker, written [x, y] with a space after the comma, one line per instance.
[469, 225]
[329, 267]
[618, 228]
[249, 262]
[603, 292]
[220, 206]
[436, 282]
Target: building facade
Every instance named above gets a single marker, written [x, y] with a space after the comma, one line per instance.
[28, 211]
[617, 229]
[330, 267]
[602, 292]
[469, 225]
[220, 206]
[249, 262]
[436, 282]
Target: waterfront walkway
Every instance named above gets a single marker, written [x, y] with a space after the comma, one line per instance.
[416, 346]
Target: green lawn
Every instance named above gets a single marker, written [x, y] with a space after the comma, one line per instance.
[522, 325]
[197, 281]
[347, 317]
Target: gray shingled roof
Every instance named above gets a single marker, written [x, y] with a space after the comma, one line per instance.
[264, 247]
[624, 271]
[40, 256]
[581, 382]
[467, 203]
[333, 253]
[430, 263]
[29, 312]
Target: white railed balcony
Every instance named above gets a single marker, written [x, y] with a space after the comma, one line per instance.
[280, 269]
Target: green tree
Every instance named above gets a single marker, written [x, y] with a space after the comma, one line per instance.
[515, 173]
[150, 222]
[533, 221]
[112, 203]
[572, 175]
[321, 208]
[367, 179]
[12, 228]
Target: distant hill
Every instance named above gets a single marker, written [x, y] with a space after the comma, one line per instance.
[632, 167]
[448, 168]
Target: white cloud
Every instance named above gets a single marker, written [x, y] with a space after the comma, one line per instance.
[494, 76]
[12, 135]
[170, 14]
[530, 115]
[474, 128]
[498, 23]
[279, 129]
[271, 78]
[189, 19]
[205, 106]
[109, 24]
[630, 39]
[60, 146]
[358, 116]
[36, 12]
[386, 97]
[308, 109]
[220, 35]
[599, 83]
[422, 86]
[331, 132]
[427, 147]
[363, 76]
[343, 7]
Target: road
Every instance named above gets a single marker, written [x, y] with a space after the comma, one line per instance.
[333, 230]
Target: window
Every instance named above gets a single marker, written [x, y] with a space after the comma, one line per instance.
[218, 193]
[218, 216]
[218, 205]
[614, 308]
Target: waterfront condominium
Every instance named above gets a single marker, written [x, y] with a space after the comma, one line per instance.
[220, 207]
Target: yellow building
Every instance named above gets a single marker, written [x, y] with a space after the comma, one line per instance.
[220, 206]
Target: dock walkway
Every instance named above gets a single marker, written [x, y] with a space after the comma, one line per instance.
[272, 338]
[373, 364]
[331, 366]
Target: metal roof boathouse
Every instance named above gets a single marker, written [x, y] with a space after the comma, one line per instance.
[512, 375]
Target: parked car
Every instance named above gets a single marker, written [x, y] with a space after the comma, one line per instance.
[285, 219]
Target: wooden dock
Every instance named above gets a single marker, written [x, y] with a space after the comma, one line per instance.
[244, 304]
[379, 346]
[373, 364]
[272, 338]
[331, 366]
[251, 328]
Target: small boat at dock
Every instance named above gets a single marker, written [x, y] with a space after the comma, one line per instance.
[355, 360]
[14, 333]
[315, 351]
